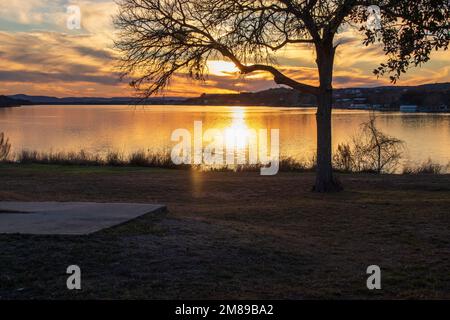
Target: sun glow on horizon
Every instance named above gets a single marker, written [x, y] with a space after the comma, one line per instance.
[221, 68]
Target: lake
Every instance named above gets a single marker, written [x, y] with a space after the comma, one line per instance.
[100, 129]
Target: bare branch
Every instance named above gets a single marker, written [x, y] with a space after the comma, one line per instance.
[161, 38]
[279, 77]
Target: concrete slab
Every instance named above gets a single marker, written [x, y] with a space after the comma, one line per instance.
[68, 218]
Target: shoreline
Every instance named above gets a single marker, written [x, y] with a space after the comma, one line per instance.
[163, 160]
[424, 112]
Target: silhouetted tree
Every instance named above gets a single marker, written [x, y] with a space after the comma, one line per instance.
[371, 151]
[159, 38]
[375, 150]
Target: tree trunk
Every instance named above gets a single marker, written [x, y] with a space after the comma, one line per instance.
[325, 180]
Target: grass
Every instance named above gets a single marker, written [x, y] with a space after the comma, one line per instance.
[75, 169]
[162, 160]
[232, 235]
[138, 159]
[83, 158]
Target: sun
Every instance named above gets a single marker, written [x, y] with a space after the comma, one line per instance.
[221, 68]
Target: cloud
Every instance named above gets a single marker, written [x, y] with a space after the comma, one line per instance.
[39, 55]
[24, 12]
[51, 51]
[33, 76]
[100, 54]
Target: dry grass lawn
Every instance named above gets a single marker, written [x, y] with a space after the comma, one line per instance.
[234, 236]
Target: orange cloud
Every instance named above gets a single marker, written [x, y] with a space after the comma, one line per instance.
[52, 60]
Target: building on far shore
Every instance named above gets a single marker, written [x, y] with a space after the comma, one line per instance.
[271, 97]
[408, 108]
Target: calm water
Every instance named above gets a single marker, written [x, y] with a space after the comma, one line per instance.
[100, 129]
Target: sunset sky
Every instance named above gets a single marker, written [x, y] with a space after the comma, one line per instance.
[39, 55]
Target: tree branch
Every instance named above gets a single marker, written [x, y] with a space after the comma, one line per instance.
[278, 76]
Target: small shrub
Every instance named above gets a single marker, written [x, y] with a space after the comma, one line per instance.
[160, 159]
[429, 167]
[27, 157]
[343, 159]
[5, 147]
[408, 169]
[291, 164]
[114, 159]
[138, 159]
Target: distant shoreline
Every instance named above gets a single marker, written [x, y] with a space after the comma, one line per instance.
[231, 105]
[430, 98]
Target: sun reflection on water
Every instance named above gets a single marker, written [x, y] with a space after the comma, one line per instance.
[238, 131]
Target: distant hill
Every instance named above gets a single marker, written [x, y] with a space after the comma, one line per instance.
[432, 86]
[9, 102]
[271, 97]
[93, 101]
[427, 97]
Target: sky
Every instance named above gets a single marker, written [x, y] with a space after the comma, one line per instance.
[40, 55]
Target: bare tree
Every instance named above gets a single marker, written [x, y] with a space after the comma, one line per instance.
[375, 150]
[371, 150]
[159, 38]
